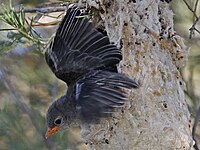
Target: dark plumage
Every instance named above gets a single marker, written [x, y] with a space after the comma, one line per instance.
[85, 59]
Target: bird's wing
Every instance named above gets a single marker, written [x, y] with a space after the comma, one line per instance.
[99, 93]
[78, 48]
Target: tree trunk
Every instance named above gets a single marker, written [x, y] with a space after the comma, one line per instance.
[156, 115]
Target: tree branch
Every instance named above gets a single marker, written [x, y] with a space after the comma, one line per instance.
[43, 10]
[188, 6]
[195, 6]
[35, 25]
[195, 20]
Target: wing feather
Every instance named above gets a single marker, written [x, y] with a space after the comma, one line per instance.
[79, 48]
[99, 93]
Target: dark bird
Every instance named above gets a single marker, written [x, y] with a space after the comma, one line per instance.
[85, 59]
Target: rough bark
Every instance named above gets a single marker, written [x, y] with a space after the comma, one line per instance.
[156, 115]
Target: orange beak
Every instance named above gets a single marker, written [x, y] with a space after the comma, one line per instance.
[51, 131]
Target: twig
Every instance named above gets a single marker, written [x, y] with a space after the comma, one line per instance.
[194, 13]
[8, 29]
[195, 8]
[194, 27]
[36, 25]
[43, 10]
[197, 30]
[195, 20]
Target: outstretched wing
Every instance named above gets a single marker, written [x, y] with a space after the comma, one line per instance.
[78, 48]
[99, 93]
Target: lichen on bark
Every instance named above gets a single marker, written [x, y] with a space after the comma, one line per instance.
[156, 115]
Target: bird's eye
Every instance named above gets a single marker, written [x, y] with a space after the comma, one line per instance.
[58, 121]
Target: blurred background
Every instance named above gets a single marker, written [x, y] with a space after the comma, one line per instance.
[28, 87]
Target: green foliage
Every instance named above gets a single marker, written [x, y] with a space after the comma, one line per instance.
[5, 46]
[25, 32]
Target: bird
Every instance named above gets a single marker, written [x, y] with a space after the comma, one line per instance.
[86, 60]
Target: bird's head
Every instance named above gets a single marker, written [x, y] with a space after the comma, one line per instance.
[55, 119]
[62, 114]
